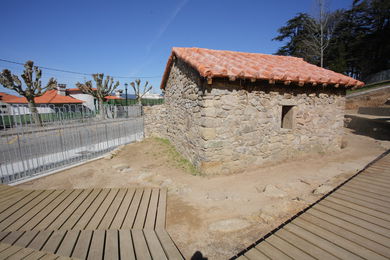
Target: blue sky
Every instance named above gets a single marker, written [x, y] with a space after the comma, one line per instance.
[134, 38]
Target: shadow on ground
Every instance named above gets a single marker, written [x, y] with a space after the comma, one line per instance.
[377, 128]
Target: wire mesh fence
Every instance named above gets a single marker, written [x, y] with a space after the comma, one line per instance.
[66, 137]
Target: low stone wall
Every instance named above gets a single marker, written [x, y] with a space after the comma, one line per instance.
[155, 121]
[374, 98]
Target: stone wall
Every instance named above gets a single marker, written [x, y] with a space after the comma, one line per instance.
[243, 125]
[224, 127]
[154, 121]
[182, 104]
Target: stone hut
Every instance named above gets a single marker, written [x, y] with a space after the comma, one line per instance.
[225, 110]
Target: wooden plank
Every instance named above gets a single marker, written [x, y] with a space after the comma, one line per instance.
[379, 167]
[82, 245]
[374, 179]
[49, 256]
[54, 241]
[364, 198]
[338, 240]
[4, 189]
[112, 210]
[161, 209]
[270, 251]
[242, 257]
[27, 238]
[357, 221]
[126, 245]
[12, 237]
[122, 211]
[368, 194]
[102, 210]
[35, 255]
[140, 246]
[55, 221]
[142, 210]
[371, 187]
[358, 214]
[21, 254]
[97, 245]
[288, 248]
[365, 189]
[3, 234]
[152, 210]
[154, 245]
[34, 211]
[304, 245]
[377, 183]
[9, 252]
[23, 211]
[4, 246]
[79, 210]
[111, 250]
[12, 196]
[378, 176]
[254, 254]
[7, 210]
[9, 190]
[350, 227]
[361, 203]
[132, 211]
[321, 242]
[168, 245]
[68, 243]
[89, 211]
[52, 207]
[39, 241]
[359, 208]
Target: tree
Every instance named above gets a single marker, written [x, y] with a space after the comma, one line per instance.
[137, 90]
[295, 32]
[321, 28]
[308, 37]
[103, 89]
[371, 31]
[355, 42]
[33, 86]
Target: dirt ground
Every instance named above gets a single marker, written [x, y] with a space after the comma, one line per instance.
[221, 215]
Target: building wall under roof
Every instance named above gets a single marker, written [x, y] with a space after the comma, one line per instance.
[227, 126]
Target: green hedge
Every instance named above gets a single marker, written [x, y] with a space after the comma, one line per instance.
[7, 120]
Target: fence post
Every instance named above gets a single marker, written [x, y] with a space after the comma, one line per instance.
[20, 153]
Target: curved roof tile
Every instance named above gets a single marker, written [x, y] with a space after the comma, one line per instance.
[220, 64]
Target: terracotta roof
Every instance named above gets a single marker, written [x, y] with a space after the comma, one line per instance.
[113, 97]
[50, 97]
[255, 66]
[6, 97]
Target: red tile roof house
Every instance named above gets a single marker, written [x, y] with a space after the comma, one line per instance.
[89, 100]
[45, 103]
[225, 110]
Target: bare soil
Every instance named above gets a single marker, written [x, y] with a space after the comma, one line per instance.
[221, 215]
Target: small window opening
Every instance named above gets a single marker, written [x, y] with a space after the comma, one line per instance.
[288, 117]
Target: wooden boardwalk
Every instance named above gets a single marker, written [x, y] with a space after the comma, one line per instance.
[85, 223]
[352, 222]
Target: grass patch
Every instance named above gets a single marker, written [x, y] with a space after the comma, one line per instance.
[176, 157]
[369, 86]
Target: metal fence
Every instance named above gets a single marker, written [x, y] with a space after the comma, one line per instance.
[66, 137]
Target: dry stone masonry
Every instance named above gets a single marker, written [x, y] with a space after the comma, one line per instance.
[227, 125]
[226, 110]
